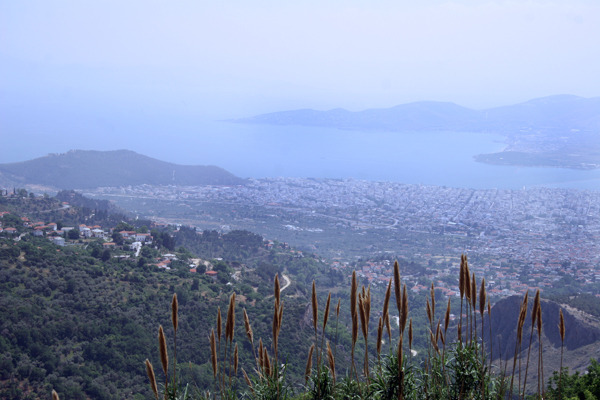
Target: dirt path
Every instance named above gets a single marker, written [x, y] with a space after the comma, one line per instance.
[288, 282]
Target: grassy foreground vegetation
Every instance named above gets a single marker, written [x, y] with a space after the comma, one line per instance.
[80, 323]
[451, 370]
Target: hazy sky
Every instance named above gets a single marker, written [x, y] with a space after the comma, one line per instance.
[260, 56]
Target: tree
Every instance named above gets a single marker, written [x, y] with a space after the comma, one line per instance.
[73, 234]
[223, 277]
[146, 252]
[96, 253]
[117, 238]
[105, 255]
[70, 286]
[201, 268]
[123, 226]
[576, 386]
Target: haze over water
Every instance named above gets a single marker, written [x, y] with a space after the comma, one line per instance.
[161, 75]
[258, 151]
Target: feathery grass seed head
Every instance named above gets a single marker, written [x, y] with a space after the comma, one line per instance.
[315, 305]
[561, 326]
[267, 362]
[308, 367]
[397, 286]
[175, 312]
[433, 342]
[162, 346]
[248, 381]
[482, 296]
[363, 316]
[326, 316]
[249, 333]
[229, 324]
[276, 289]
[152, 377]
[428, 309]
[404, 316]
[331, 361]
[386, 300]
[536, 304]
[447, 317]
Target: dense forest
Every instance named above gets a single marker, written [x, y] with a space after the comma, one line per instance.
[81, 321]
[84, 326]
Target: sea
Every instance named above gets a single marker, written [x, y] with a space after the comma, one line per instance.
[259, 151]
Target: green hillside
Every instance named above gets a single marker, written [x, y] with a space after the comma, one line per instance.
[81, 321]
[87, 169]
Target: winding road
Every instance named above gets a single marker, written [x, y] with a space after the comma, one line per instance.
[288, 282]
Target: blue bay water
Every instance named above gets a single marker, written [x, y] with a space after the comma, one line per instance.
[431, 158]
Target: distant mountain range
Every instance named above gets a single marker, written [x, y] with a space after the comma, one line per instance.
[556, 131]
[83, 169]
[559, 112]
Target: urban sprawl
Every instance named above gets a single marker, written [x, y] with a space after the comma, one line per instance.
[550, 232]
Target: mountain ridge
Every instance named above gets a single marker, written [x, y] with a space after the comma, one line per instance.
[553, 131]
[87, 169]
[425, 115]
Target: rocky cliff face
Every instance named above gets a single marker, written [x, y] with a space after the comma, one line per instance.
[504, 327]
[582, 340]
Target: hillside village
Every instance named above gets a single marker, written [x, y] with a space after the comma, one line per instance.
[531, 255]
[134, 244]
[116, 243]
[500, 281]
[529, 239]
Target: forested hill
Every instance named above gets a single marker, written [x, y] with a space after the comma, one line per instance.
[81, 319]
[83, 169]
